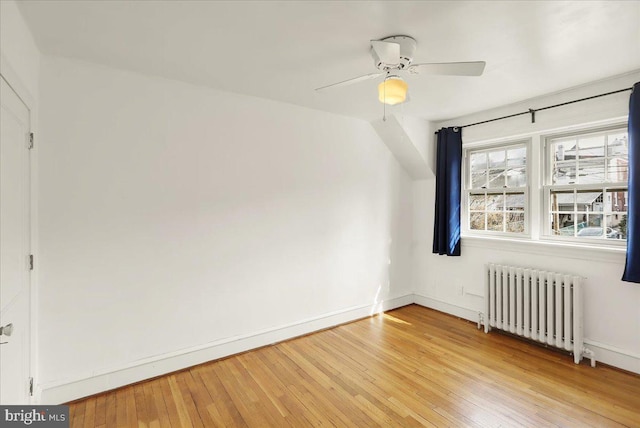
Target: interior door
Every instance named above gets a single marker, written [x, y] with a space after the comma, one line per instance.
[15, 296]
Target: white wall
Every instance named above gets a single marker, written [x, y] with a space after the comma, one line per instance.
[19, 55]
[175, 218]
[455, 285]
[406, 139]
[420, 133]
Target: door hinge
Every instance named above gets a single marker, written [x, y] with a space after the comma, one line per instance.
[31, 386]
[30, 261]
[30, 141]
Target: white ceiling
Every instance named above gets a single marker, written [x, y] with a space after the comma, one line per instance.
[283, 50]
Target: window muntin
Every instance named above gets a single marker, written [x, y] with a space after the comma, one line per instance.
[497, 189]
[586, 187]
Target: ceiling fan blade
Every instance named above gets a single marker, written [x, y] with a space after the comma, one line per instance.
[387, 52]
[474, 68]
[350, 81]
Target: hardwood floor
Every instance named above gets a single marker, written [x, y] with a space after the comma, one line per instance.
[409, 367]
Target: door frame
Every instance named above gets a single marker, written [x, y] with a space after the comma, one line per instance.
[16, 83]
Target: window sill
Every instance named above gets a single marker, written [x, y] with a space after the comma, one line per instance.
[602, 253]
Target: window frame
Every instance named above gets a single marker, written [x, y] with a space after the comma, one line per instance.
[468, 190]
[547, 187]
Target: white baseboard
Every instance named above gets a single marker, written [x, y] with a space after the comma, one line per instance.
[613, 356]
[603, 353]
[62, 392]
[439, 305]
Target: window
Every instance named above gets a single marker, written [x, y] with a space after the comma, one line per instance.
[585, 189]
[497, 189]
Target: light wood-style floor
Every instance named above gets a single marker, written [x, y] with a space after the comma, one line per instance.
[410, 367]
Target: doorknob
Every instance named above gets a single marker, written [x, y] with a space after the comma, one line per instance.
[6, 330]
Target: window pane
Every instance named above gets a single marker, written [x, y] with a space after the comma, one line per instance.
[495, 202]
[517, 157]
[563, 150]
[591, 159]
[496, 178]
[617, 200]
[591, 170]
[479, 179]
[515, 222]
[476, 202]
[478, 170]
[495, 221]
[516, 177]
[564, 172]
[590, 226]
[590, 232]
[563, 161]
[516, 167]
[618, 169]
[496, 159]
[617, 226]
[476, 221]
[590, 201]
[617, 144]
[591, 146]
[562, 224]
[497, 163]
[593, 220]
[514, 202]
[562, 201]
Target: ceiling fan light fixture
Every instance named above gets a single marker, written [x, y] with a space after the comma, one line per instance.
[392, 91]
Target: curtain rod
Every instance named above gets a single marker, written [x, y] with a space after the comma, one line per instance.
[532, 111]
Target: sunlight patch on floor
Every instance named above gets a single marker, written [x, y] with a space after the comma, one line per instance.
[394, 319]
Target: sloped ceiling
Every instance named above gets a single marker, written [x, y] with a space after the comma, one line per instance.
[283, 50]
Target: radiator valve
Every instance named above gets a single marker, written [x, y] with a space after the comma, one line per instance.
[590, 354]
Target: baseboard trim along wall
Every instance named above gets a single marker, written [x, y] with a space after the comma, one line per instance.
[62, 392]
[604, 353]
[613, 356]
[448, 308]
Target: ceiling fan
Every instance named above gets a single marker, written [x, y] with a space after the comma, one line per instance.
[393, 56]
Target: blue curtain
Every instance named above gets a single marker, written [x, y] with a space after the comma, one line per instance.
[632, 267]
[446, 228]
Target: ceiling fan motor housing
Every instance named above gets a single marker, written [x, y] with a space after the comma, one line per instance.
[407, 50]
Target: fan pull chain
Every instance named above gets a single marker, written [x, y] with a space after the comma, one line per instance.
[384, 95]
